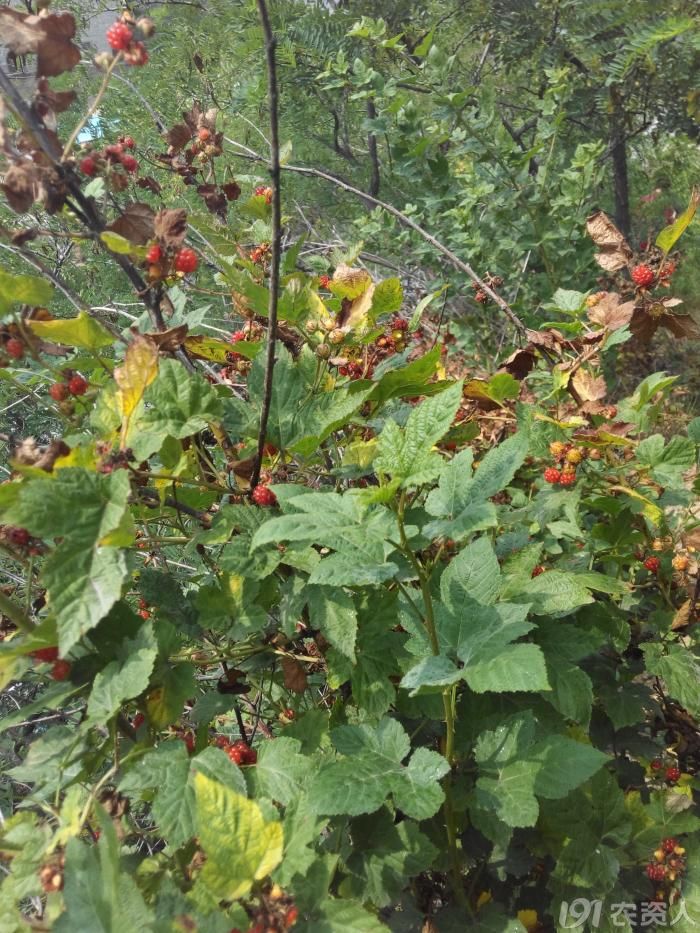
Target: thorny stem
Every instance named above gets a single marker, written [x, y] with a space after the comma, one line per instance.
[276, 244]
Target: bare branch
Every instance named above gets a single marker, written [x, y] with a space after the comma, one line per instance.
[270, 45]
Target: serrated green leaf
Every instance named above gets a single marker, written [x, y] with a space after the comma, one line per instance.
[679, 670]
[333, 612]
[247, 852]
[123, 679]
[32, 290]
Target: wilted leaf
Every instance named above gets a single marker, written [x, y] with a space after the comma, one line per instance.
[682, 616]
[294, 675]
[170, 340]
[591, 388]
[354, 312]
[614, 253]
[135, 223]
[350, 283]
[232, 190]
[610, 312]
[170, 227]
[46, 35]
[178, 136]
[214, 199]
[520, 363]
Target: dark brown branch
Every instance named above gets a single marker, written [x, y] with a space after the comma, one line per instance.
[276, 244]
[154, 496]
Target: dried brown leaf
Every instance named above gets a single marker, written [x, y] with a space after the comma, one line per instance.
[232, 190]
[214, 199]
[170, 340]
[136, 223]
[170, 227]
[29, 453]
[520, 363]
[611, 313]
[682, 616]
[178, 136]
[615, 252]
[294, 675]
[149, 184]
[681, 325]
[590, 388]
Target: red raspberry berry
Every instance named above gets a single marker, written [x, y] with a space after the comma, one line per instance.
[130, 163]
[652, 564]
[655, 872]
[567, 479]
[552, 475]
[262, 495]
[186, 260]
[251, 757]
[78, 386]
[668, 845]
[290, 918]
[128, 141]
[656, 764]
[188, 739]
[119, 36]
[221, 741]
[14, 348]
[154, 254]
[114, 152]
[238, 335]
[88, 166]
[537, 571]
[144, 613]
[47, 655]
[138, 720]
[481, 297]
[61, 670]
[19, 536]
[399, 323]
[672, 774]
[204, 135]
[324, 281]
[643, 276]
[59, 391]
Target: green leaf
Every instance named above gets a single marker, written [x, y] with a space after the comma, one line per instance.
[571, 691]
[343, 916]
[81, 331]
[679, 670]
[421, 306]
[247, 852]
[125, 679]
[379, 650]
[281, 771]
[406, 454]
[333, 612]
[666, 240]
[119, 244]
[565, 765]
[435, 671]
[472, 575]
[176, 404]
[32, 290]
[83, 579]
[175, 684]
[514, 667]
[554, 592]
[387, 298]
[498, 388]
[100, 896]
[369, 769]
[408, 380]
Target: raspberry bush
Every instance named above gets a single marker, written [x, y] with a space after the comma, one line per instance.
[430, 663]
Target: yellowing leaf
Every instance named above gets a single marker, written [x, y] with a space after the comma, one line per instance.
[211, 348]
[649, 509]
[355, 313]
[134, 376]
[669, 235]
[81, 331]
[240, 845]
[350, 283]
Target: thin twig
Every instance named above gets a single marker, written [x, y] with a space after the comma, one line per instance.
[270, 45]
[406, 221]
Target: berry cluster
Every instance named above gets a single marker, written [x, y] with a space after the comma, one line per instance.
[644, 277]
[75, 385]
[567, 457]
[670, 774]
[114, 161]
[393, 340]
[205, 146]
[324, 281]
[264, 192]
[276, 912]
[163, 262]
[667, 866]
[493, 281]
[239, 751]
[121, 39]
